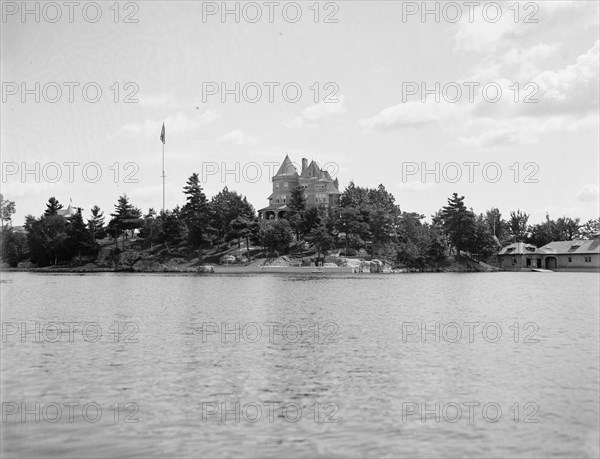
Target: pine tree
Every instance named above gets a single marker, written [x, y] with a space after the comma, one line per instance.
[126, 217]
[96, 224]
[79, 239]
[458, 223]
[196, 213]
[53, 206]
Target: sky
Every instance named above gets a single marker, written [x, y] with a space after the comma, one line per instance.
[355, 75]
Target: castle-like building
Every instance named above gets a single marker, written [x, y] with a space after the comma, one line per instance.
[319, 188]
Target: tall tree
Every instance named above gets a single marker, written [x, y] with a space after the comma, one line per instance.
[196, 213]
[53, 206]
[79, 240]
[7, 209]
[517, 225]
[126, 217]
[96, 224]
[458, 223]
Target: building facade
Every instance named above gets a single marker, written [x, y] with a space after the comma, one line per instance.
[319, 188]
[577, 255]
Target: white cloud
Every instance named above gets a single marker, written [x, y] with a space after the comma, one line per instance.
[237, 137]
[568, 100]
[312, 115]
[589, 193]
[179, 123]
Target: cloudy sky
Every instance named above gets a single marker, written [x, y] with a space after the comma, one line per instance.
[360, 70]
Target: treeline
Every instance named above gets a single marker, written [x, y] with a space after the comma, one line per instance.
[367, 219]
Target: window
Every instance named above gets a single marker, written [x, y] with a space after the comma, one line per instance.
[529, 262]
[514, 261]
[588, 259]
[570, 259]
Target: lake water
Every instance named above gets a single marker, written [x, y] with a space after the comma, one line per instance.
[361, 380]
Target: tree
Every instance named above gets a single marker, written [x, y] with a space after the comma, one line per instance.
[244, 228]
[458, 223]
[46, 239]
[174, 227]
[482, 244]
[297, 208]
[7, 209]
[196, 213]
[225, 207]
[517, 225]
[590, 229]
[276, 235]
[321, 239]
[568, 228]
[297, 201]
[13, 246]
[79, 240]
[96, 224]
[495, 223]
[125, 218]
[53, 206]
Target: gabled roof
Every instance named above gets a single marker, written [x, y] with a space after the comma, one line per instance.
[568, 247]
[274, 207]
[518, 248]
[287, 168]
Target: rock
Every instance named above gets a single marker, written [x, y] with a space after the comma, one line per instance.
[148, 266]
[26, 265]
[376, 266]
[128, 258]
[227, 259]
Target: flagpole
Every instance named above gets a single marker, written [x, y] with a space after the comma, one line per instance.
[163, 175]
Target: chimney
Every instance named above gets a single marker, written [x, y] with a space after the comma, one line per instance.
[304, 165]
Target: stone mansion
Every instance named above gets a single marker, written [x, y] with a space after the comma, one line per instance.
[319, 188]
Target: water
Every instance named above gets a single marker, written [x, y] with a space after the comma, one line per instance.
[367, 367]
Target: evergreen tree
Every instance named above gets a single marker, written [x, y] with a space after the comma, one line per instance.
[79, 240]
[96, 224]
[458, 223]
[196, 213]
[53, 206]
[125, 218]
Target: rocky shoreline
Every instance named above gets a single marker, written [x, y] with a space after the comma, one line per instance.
[110, 260]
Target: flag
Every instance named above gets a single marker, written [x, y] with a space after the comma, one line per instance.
[162, 134]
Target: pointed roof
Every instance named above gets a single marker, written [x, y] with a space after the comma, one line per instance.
[287, 168]
[313, 170]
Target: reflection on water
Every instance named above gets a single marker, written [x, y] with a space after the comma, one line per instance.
[318, 366]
